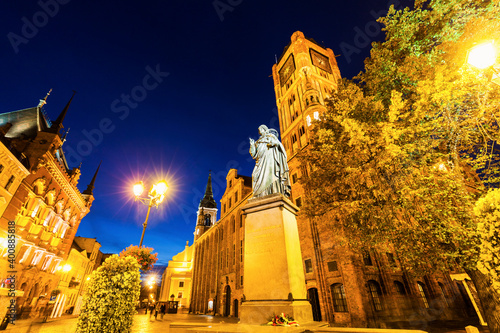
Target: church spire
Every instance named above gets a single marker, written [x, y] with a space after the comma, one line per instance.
[208, 200]
[91, 186]
[57, 124]
[44, 101]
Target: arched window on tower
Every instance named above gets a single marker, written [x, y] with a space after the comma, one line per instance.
[339, 299]
[423, 294]
[208, 221]
[376, 294]
[443, 292]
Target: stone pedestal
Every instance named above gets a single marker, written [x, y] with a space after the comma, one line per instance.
[274, 279]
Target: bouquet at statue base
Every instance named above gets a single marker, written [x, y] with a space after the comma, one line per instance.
[282, 320]
[144, 257]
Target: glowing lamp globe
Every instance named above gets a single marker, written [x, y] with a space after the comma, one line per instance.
[161, 187]
[483, 55]
[138, 188]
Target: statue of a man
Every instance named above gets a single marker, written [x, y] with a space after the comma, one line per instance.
[270, 174]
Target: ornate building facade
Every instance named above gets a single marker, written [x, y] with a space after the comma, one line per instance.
[42, 206]
[345, 288]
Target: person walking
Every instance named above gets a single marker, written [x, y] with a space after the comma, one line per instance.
[157, 309]
[162, 310]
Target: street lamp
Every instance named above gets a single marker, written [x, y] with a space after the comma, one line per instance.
[154, 198]
[484, 56]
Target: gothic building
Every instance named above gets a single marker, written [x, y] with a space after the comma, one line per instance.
[345, 288]
[217, 285]
[39, 203]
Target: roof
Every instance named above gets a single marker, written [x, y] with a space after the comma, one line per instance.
[25, 122]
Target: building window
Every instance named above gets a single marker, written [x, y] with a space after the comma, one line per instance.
[227, 258]
[423, 294]
[224, 208]
[298, 202]
[9, 183]
[390, 258]
[400, 289]
[241, 280]
[376, 294]
[316, 115]
[294, 178]
[441, 287]
[241, 221]
[308, 120]
[367, 259]
[236, 197]
[181, 284]
[294, 138]
[1, 168]
[309, 267]
[241, 251]
[233, 225]
[302, 131]
[230, 183]
[339, 299]
[234, 254]
[179, 295]
[33, 213]
[229, 202]
[332, 266]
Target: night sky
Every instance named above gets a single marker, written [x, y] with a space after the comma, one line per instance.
[165, 89]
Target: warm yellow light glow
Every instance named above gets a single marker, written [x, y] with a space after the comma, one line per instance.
[66, 268]
[483, 55]
[88, 278]
[3, 242]
[161, 187]
[138, 188]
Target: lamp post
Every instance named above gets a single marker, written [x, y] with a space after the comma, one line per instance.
[484, 57]
[154, 198]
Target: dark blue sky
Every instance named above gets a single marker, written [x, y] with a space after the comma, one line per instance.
[165, 89]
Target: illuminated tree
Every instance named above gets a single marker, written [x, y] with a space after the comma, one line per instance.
[403, 153]
[487, 210]
[112, 294]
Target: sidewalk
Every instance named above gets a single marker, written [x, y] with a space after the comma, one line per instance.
[188, 323]
[175, 323]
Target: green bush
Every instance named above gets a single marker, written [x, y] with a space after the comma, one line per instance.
[111, 296]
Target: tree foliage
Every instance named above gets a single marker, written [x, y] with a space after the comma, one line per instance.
[487, 210]
[405, 150]
[112, 294]
[144, 256]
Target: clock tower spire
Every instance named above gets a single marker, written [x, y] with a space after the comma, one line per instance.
[207, 211]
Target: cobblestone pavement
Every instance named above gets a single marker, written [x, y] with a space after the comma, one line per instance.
[174, 323]
[183, 323]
